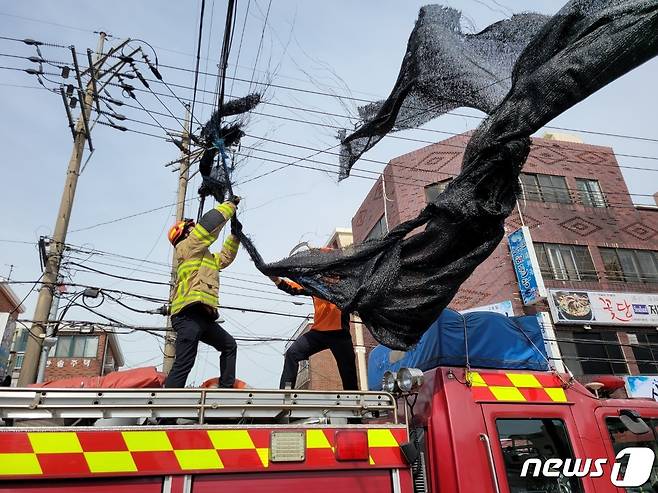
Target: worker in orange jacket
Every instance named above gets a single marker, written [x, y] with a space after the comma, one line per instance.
[330, 330]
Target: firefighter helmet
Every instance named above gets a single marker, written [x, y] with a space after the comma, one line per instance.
[179, 230]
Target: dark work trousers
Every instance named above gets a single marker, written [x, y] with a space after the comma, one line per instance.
[192, 325]
[339, 342]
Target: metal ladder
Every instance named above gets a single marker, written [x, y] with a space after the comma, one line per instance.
[200, 405]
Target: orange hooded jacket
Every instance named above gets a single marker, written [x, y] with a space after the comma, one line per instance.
[326, 317]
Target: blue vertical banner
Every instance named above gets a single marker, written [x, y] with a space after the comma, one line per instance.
[526, 266]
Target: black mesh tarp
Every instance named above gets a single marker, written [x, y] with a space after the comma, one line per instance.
[443, 69]
[399, 285]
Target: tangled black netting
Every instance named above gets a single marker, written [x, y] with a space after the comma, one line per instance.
[443, 69]
[216, 133]
[399, 284]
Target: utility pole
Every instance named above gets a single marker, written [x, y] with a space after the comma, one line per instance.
[183, 179]
[51, 272]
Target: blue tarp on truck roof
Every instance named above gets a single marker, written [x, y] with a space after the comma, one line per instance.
[494, 341]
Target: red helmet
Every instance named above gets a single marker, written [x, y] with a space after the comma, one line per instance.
[179, 230]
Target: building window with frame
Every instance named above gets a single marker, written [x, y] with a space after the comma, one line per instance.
[433, 190]
[544, 188]
[76, 347]
[378, 230]
[565, 262]
[597, 353]
[590, 193]
[645, 352]
[626, 265]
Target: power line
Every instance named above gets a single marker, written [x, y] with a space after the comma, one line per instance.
[260, 43]
[198, 55]
[368, 101]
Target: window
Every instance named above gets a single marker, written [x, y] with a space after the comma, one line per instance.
[621, 438]
[627, 265]
[378, 230]
[565, 262]
[646, 352]
[597, 353]
[435, 189]
[76, 347]
[19, 361]
[590, 193]
[545, 188]
[21, 340]
[535, 438]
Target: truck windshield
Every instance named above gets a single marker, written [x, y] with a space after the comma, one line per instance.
[539, 439]
[622, 438]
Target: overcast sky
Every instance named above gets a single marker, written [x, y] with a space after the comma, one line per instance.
[342, 48]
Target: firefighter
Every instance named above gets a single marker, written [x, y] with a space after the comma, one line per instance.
[195, 298]
[330, 330]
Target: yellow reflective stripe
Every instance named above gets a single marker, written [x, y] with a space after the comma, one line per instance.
[194, 296]
[316, 439]
[121, 461]
[202, 234]
[381, 438]
[55, 442]
[556, 394]
[231, 440]
[227, 209]
[147, 441]
[525, 380]
[231, 245]
[506, 393]
[192, 265]
[198, 459]
[22, 463]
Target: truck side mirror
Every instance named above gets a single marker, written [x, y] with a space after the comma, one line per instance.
[633, 422]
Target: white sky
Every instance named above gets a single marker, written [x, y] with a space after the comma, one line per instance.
[343, 47]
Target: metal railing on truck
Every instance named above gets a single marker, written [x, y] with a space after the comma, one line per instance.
[195, 404]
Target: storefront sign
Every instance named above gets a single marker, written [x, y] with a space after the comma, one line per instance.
[642, 386]
[601, 308]
[526, 266]
[504, 308]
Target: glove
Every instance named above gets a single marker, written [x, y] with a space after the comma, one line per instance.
[235, 199]
[236, 226]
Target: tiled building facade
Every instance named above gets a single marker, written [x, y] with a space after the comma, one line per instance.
[76, 354]
[587, 233]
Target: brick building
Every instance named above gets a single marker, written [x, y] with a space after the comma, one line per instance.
[320, 372]
[10, 309]
[88, 354]
[595, 250]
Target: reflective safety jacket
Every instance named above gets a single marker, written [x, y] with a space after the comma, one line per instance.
[326, 316]
[198, 269]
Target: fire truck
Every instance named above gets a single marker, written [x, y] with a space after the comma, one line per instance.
[448, 429]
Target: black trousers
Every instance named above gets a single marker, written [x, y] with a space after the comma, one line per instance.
[339, 342]
[192, 325]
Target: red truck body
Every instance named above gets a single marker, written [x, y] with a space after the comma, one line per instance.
[477, 429]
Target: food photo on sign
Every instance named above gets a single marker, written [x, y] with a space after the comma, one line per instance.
[572, 305]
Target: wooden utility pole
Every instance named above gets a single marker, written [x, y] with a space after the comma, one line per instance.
[183, 179]
[51, 273]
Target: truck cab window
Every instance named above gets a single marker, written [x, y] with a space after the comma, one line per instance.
[622, 438]
[539, 439]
